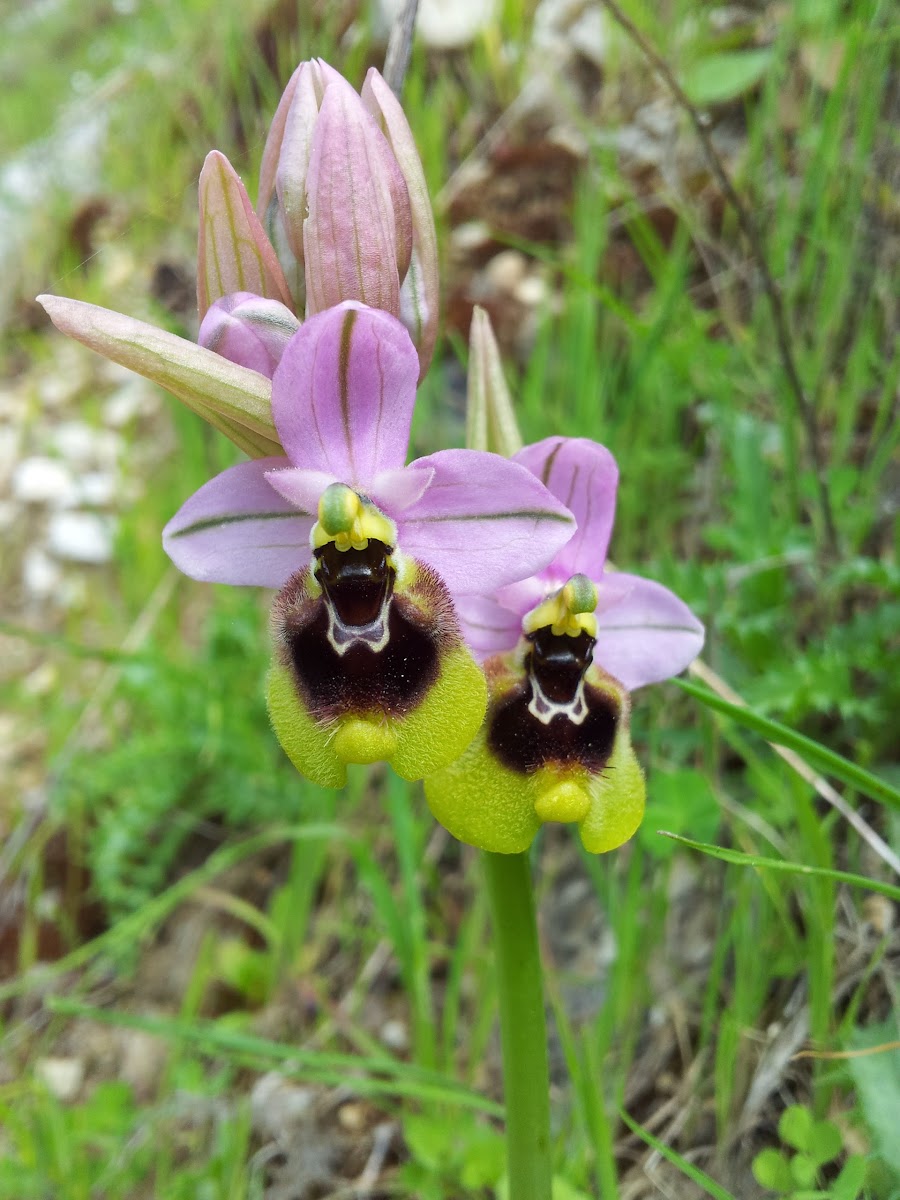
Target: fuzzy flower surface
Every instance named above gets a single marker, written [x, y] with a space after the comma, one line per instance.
[563, 649]
[368, 553]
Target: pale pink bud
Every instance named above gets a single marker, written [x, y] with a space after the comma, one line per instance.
[419, 295]
[249, 330]
[335, 199]
[233, 252]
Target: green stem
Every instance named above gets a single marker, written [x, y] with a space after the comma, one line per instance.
[523, 1027]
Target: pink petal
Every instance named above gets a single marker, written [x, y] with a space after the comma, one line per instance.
[248, 330]
[233, 252]
[237, 529]
[584, 475]
[487, 628]
[343, 394]
[521, 597]
[357, 236]
[420, 295]
[483, 522]
[302, 489]
[400, 488]
[648, 636]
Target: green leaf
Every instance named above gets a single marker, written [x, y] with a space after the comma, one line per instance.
[372, 1075]
[791, 868]
[772, 1170]
[561, 1189]
[850, 1182]
[721, 77]
[484, 1158]
[877, 1079]
[803, 1170]
[430, 1141]
[682, 801]
[817, 756]
[825, 1142]
[795, 1126]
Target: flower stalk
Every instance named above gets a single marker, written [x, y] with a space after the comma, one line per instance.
[523, 1026]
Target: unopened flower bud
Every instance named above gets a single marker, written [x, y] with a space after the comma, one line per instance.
[419, 292]
[490, 420]
[233, 252]
[333, 196]
[248, 330]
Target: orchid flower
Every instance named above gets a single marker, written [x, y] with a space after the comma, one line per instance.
[369, 555]
[563, 649]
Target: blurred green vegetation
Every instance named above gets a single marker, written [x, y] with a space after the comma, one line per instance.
[685, 384]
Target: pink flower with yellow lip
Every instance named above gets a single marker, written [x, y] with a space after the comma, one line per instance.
[563, 648]
[368, 553]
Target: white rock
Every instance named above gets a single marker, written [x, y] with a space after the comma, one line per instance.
[471, 235]
[61, 1076]
[42, 480]
[97, 489]
[590, 35]
[506, 270]
[81, 537]
[132, 399]
[10, 447]
[42, 680]
[395, 1035]
[278, 1106]
[532, 291]
[75, 442]
[143, 1058]
[440, 24]
[40, 574]
[73, 593]
[54, 390]
[13, 405]
[83, 446]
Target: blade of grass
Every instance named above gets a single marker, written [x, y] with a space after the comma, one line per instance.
[738, 858]
[139, 925]
[710, 1187]
[398, 1077]
[817, 755]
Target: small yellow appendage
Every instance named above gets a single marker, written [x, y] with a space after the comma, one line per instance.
[349, 521]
